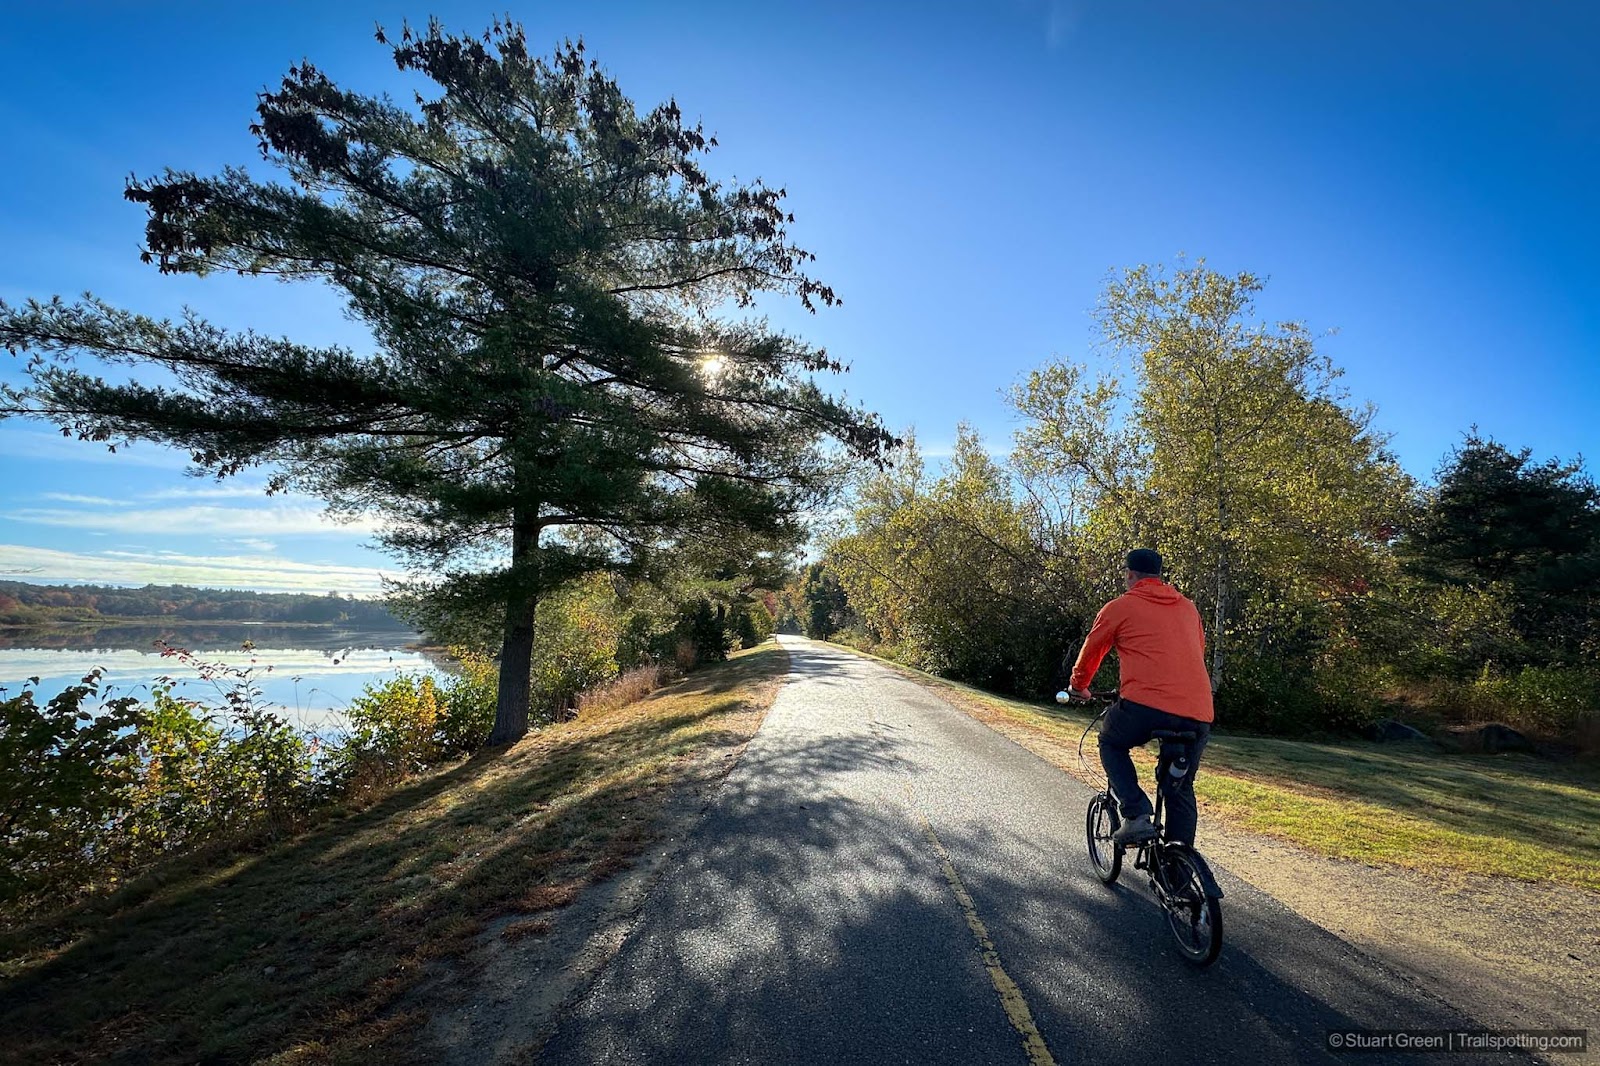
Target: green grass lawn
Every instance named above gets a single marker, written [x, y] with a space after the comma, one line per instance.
[304, 953]
[1411, 805]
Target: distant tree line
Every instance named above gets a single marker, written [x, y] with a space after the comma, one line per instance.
[22, 603]
[1335, 588]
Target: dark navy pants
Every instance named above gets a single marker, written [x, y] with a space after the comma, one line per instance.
[1128, 725]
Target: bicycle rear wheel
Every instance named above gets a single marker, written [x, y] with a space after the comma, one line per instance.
[1104, 853]
[1194, 917]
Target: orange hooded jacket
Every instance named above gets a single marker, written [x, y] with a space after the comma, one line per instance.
[1161, 647]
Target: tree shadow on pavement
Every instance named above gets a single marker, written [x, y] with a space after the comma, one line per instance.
[811, 922]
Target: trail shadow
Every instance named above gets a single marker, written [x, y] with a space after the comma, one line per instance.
[311, 943]
[811, 922]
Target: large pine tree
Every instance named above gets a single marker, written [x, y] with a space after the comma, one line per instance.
[564, 372]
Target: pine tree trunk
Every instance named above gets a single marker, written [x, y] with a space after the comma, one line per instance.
[516, 650]
[516, 657]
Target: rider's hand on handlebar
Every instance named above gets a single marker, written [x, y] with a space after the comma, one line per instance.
[1080, 695]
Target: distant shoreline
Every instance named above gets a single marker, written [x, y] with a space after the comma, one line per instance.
[178, 623]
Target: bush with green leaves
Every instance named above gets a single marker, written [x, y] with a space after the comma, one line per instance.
[469, 704]
[182, 794]
[410, 722]
[392, 733]
[752, 623]
[66, 777]
[1558, 700]
[575, 646]
[702, 628]
[205, 775]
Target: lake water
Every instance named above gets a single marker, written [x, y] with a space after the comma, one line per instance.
[309, 672]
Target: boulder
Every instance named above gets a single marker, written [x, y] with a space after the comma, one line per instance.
[1496, 738]
[1390, 730]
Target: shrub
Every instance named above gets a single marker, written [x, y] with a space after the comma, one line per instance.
[269, 768]
[65, 780]
[1266, 696]
[752, 623]
[1558, 701]
[264, 768]
[700, 623]
[576, 644]
[644, 637]
[393, 733]
[628, 687]
[182, 795]
[88, 798]
[469, 704]
[684, 655]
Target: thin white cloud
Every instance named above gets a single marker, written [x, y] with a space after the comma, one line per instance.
[262, 573]
[227, 491]
[270, 520]
[256, 544]
[71, 497]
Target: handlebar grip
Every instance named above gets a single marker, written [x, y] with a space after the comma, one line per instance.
[1065, 697]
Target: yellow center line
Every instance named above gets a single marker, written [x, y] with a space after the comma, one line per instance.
[1011, 999]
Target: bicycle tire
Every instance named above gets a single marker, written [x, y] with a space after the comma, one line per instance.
[1194, 917]
[1104, 853]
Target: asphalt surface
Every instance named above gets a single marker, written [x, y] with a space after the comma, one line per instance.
[811, 917]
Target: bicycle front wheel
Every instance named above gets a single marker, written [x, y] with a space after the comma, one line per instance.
[1104, 853]
[1194, 917]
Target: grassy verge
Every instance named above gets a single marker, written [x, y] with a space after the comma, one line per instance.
[1409, 805]
[302, 953]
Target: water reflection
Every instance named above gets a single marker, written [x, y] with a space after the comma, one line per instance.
[310, 672]
[203, 637]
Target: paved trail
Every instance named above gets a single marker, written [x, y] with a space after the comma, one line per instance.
[833, 905]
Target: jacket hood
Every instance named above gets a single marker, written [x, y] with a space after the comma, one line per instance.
[1156, 591]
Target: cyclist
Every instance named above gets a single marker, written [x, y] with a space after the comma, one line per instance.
[1160, 646]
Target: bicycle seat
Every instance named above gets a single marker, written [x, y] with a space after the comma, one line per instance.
[1167, 734]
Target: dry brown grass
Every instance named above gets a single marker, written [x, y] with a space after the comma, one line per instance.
[628, 687]
[306, 952]
[526, 927]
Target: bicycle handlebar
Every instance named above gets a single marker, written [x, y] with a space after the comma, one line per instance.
[1065, 697]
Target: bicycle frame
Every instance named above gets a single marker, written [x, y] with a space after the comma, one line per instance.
[1157, 847]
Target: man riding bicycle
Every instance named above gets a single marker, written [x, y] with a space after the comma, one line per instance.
[1160, 646]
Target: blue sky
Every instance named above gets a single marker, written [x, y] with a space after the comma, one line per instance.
[1417, 176]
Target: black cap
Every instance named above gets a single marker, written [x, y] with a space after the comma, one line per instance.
[1145, 561]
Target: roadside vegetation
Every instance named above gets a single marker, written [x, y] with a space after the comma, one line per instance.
[305, 951]
[94, 792]
[1336, 590]
[1413, 805]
